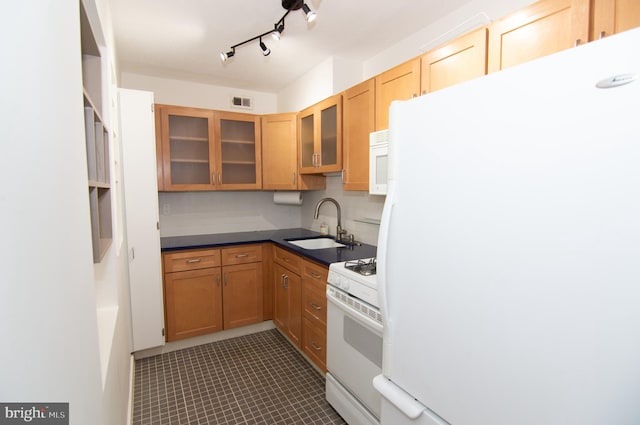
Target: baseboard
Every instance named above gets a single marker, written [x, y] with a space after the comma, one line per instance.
[132, 373]
[204, 339]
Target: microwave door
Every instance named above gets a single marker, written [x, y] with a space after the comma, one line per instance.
[378, 160]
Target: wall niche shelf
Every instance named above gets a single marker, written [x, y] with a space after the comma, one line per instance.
[97, 141]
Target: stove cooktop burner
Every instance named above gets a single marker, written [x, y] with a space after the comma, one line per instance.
[364, 267]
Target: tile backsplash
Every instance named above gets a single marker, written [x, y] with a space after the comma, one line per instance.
[190, 213]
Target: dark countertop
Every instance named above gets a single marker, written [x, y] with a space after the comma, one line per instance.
[279, 237]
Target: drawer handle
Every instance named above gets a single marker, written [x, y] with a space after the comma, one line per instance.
[286, 260]
[315, 346]
[242, 255]
[315, 276]
[315, 306]
[194, 260]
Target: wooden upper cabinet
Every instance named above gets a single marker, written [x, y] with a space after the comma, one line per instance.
[320, 137]
[279, 152]
[238, 151]
[201, 149]
[460, 60]
[188, 150]
[358, 122]
[399, 83]
[613, 16]
[280, 156]
[543, 28]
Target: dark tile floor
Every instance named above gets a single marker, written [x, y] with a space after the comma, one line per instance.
[253, 379]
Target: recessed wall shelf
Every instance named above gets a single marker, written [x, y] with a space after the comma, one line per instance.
[97, 139]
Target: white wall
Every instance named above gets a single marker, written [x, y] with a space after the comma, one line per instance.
[198, 95]
[309, 89]
[58, 343]
[48, 326]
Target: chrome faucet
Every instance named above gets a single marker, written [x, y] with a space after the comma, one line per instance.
[340, 232]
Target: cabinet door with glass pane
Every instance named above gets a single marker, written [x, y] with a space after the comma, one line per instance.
[320, 137]
[188, 152]
[239, 152]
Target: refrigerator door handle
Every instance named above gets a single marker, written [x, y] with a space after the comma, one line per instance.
[383, 250]
[404, 402]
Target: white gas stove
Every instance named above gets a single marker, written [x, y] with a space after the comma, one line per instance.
[354, 341]
[357, 277]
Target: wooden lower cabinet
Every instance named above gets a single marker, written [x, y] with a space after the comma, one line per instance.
[287, 314]
[242, 294]
[208, 290]
[314, 311]
[314, 343]
[193, 303]
[300, 309]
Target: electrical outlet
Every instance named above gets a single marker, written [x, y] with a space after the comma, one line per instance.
[166, 209]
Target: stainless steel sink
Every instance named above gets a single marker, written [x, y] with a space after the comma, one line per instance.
[316, 243]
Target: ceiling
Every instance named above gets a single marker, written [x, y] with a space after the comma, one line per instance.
[183, 39]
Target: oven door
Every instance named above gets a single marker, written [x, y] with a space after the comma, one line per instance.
[354, 347]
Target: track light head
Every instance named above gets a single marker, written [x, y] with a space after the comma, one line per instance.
[311, 15]
[224, 56]
[264, 48]
[277, 32]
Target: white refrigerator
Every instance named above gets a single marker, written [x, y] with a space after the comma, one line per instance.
[509, 247]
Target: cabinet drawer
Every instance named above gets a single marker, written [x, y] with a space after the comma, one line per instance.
[241, 254]
[314, 301]
[287, 259]
[314, 272]
[191, 260]
[314, 343]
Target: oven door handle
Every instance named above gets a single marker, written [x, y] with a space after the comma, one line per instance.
[360, 317]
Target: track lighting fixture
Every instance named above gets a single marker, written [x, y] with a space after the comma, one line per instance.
[311, 15]
[224, 56]
[265, 49]
[288, 5]
[277, 32]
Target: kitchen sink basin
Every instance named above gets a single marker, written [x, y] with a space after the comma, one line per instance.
[316, 243]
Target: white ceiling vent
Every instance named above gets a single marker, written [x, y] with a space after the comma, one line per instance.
[241, 102]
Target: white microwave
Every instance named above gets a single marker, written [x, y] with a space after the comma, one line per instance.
[378, 161]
